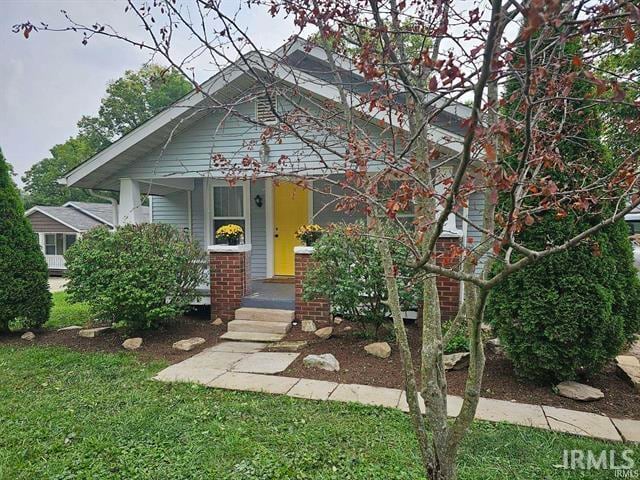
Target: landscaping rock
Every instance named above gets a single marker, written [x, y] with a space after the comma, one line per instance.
[28, 336]
[308, 326]
[338, 320]
[326, 361]
[629, 369]
[494, 346]
[347, 328]
[635, 349]
[188, 344]
[288, 346]
[456, 361]
[486, 328]
[579, 391]
[92, 332]
[324, 333]
[132, 343]
[378, 349]
[217, 321]
[69, 328]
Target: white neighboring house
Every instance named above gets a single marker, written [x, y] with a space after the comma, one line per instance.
[59, 227]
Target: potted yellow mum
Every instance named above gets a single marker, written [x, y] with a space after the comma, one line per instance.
[231, 233]
[308, 234]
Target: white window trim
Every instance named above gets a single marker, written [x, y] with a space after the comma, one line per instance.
[208, 208]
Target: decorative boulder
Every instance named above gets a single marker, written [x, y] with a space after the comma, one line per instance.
[28, 336]
[324, 333]
[217, 321]
[92, 332]
[287, 346]
[338, 320]
[308, 326]
[456, 361]
[495, 346]
[326, 361]
[629, 369]
[378, 349]
[188, 344]
[579, 391]
[69, 328]
[132, 343]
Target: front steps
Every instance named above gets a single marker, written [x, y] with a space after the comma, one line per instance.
[259, 325]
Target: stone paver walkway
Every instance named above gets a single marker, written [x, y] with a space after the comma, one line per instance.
[244, 366]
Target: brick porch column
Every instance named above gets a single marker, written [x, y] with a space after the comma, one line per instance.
[316, 310]
[230, 278]
[448, 289]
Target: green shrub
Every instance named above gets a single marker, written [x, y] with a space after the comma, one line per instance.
[137, 276]
[567, 315]
[348, 272]
[25, 300]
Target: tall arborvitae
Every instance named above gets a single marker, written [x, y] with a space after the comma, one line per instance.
[25, 300]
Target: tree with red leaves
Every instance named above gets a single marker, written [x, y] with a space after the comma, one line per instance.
[381, 128]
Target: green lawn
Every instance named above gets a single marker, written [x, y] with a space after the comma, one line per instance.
[64, 313]
[65, 414]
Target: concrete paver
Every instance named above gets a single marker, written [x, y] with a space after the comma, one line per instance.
[265, 362]
[367, 395]
[581, 423]
[312, 389]
[252, 382]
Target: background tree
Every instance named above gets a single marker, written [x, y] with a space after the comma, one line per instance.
[128, 102]
[25, 300]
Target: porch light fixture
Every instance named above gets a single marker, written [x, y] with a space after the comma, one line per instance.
[258, 200]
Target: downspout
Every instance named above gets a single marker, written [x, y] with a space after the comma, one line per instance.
[114, 204]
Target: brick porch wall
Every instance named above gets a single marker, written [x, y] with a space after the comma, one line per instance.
[230, 279]
[448, 289]
[316, 310]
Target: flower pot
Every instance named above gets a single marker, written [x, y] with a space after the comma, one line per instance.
[233, 241]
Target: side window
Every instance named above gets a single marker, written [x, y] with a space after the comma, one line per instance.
[50, 244]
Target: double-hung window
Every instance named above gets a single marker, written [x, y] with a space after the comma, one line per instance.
[230, 206]
[58, 243]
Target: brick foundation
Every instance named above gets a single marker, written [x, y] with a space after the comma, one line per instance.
[316, 310]
[230, 278]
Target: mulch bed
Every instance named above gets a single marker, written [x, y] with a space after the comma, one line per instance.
[356, 366]
[156, 344]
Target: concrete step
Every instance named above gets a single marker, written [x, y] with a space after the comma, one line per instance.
[253, 336]
[265, 314]
[260, 326]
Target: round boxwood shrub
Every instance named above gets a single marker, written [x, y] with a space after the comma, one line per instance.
[25, 300]
[347, 270]
[137, 276]
[564, 317]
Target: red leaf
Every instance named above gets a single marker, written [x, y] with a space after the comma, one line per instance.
[576, 61]
[490, 150]
[433, 84]
[629, 34]
[528, 220]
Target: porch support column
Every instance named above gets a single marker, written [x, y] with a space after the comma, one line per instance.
[317, 309]
[230, 280]
[129, 210]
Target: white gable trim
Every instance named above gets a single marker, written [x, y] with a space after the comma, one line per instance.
[52, 217]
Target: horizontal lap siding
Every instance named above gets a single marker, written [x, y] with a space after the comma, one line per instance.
[43, 223]
[171, 209]
[190, 151]
[258, 232]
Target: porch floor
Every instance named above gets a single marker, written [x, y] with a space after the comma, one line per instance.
[268, 294]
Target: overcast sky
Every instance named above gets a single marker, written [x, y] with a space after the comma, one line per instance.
[50, 80]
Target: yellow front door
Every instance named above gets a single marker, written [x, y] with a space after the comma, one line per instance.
[290, 211]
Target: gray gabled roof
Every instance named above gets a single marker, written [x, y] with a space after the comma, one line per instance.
[82, 216]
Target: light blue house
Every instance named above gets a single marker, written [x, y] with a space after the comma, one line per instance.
[173, 158]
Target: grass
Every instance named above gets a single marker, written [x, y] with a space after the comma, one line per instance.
[67, 414]
[64, 313]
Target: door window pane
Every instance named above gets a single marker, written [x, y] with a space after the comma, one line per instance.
[59, 244]
[228, 202]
